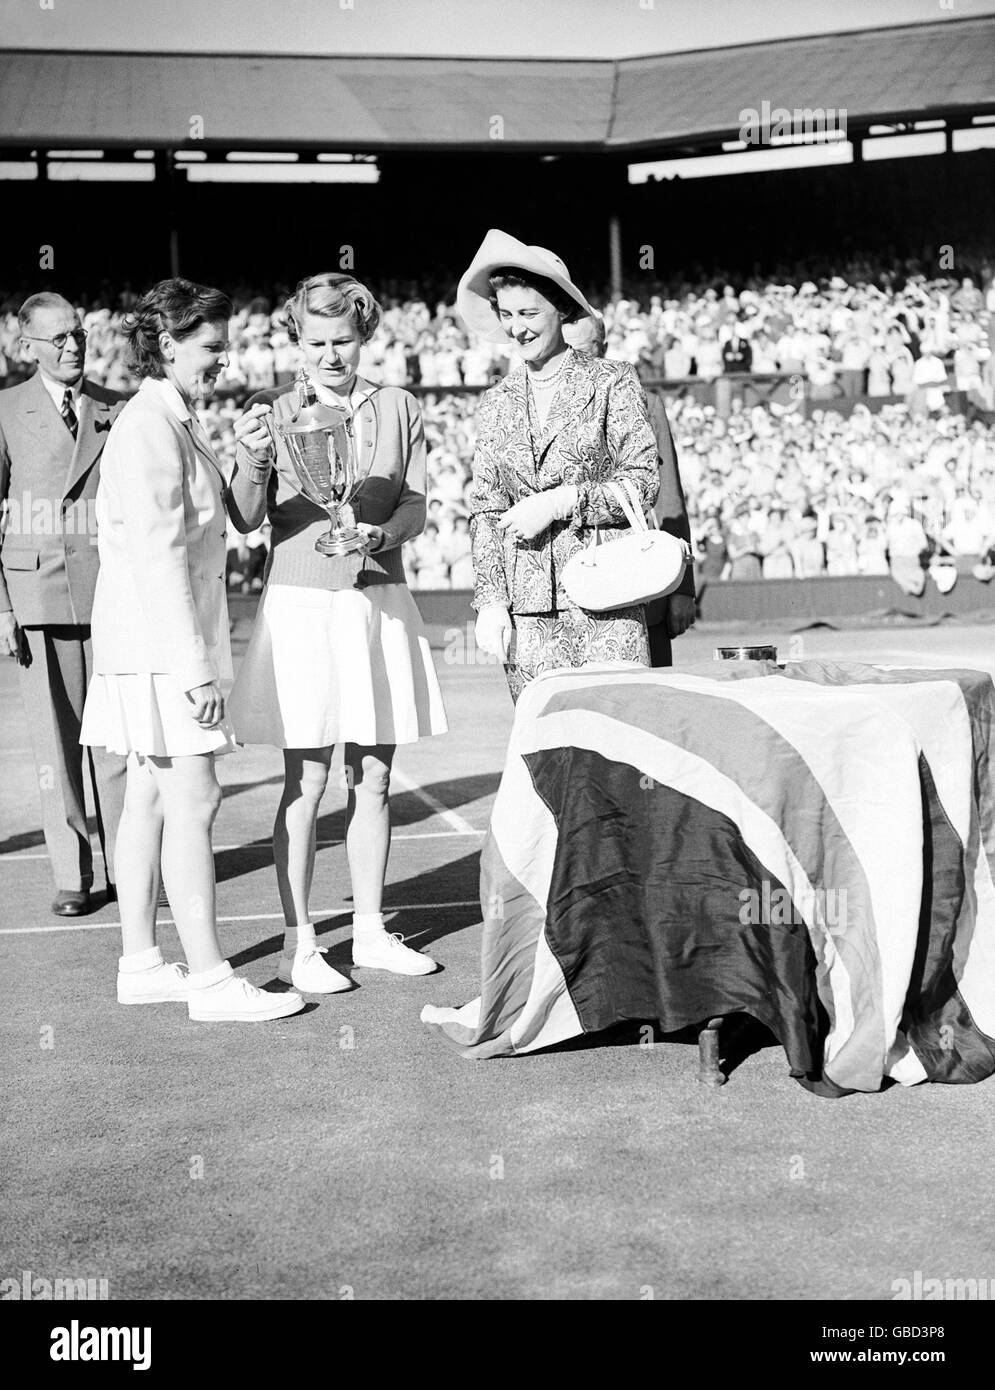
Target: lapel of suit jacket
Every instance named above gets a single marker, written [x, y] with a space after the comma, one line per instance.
[41, 416]
[203, 446]
[575, 390]
[168, 399]
[524, 461]
[95, 419]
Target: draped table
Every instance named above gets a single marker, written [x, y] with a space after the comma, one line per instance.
[812, 845]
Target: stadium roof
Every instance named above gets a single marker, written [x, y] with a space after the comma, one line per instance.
[677, 101]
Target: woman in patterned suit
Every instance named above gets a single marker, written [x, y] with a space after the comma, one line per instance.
[549, 437]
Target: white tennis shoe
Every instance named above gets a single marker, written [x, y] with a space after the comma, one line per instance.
[160, 984]
[386, 951]
[306, 971]
[234, 1000]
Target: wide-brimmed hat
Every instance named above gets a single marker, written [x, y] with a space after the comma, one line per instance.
[473, 297]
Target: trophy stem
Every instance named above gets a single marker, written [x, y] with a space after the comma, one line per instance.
[340, 539]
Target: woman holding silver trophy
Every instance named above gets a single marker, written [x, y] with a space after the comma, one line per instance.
[338, 653]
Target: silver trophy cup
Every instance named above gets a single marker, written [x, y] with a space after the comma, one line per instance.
[322, 449]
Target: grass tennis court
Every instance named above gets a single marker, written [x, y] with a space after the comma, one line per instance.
[346, 1152]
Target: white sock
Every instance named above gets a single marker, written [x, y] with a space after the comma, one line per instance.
[148, 959]
[367, 925]
[300, 939]
[203, 979]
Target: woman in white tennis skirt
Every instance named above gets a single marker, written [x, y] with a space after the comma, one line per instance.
[161, 656]
[338, 653]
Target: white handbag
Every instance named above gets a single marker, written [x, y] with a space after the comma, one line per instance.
[642, 565]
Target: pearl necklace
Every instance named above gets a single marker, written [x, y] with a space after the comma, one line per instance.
[545, 383]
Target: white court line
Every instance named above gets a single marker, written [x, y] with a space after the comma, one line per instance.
[443, 812]
[316, 912]
[322, 844]
[13, 752]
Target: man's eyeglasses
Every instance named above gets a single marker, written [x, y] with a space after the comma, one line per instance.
[60, 339]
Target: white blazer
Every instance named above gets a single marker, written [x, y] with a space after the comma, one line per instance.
[160, 603]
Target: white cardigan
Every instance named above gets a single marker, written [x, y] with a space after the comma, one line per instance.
[160, 603]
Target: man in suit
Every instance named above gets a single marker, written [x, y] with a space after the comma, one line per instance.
[53, 428]
[667, 618]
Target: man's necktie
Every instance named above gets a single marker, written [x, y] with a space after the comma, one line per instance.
[68, 414]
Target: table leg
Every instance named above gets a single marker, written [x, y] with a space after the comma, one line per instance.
[709, 1071]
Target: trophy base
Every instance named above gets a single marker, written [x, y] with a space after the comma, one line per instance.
[342, 542]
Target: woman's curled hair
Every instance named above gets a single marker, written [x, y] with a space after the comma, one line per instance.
[333, 296]
[507, 277]
[177, 307]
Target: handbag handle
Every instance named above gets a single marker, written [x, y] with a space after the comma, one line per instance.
[626, 494]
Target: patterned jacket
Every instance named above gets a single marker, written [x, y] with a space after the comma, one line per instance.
[598, 430]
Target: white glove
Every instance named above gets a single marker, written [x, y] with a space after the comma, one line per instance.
[493, 630]
[533, 514]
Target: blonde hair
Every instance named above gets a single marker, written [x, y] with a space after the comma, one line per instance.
[332, 296]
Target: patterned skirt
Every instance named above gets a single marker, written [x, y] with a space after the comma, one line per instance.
[573, 637]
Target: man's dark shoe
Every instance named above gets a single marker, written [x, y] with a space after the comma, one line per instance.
[67, 904]
[111, 895]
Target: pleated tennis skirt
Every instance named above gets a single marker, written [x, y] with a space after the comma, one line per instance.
[150, 715]
[337, 666]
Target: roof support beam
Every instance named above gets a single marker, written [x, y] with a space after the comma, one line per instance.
[166, 184]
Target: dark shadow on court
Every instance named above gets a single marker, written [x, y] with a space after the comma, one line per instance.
[237, 788]
[407, 809]
[740, 1037]
[24, 840]
[453, 882]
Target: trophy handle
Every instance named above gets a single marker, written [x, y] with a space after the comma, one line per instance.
[273, 434]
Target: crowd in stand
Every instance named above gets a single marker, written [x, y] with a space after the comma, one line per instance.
[771, 492]
[781, 495]
[872, 330]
